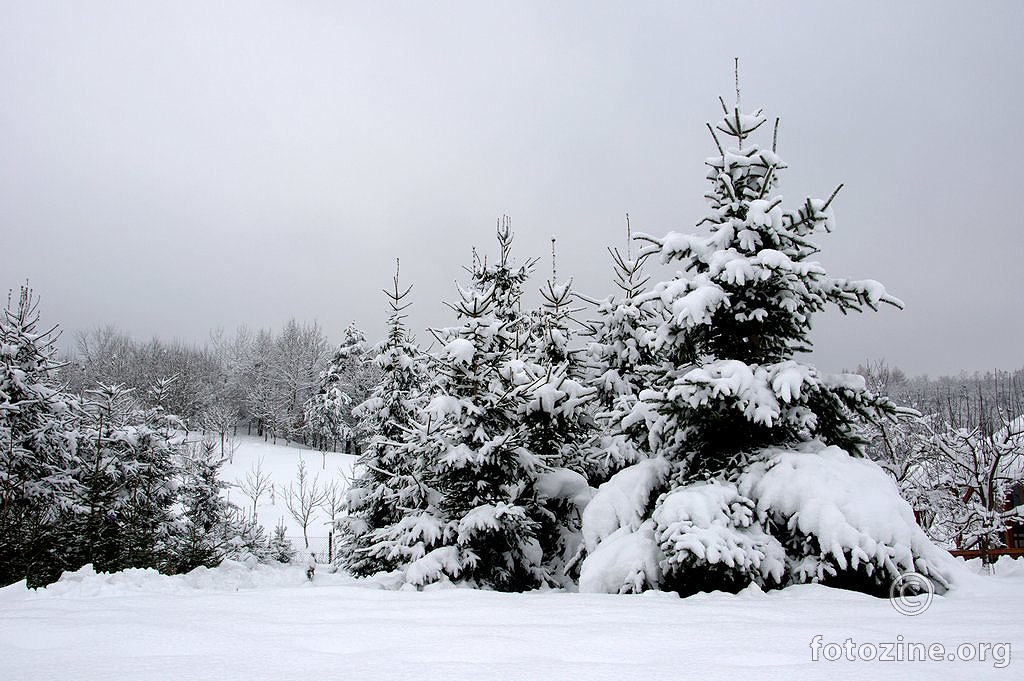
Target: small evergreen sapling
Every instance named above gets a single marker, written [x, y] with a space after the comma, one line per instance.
[281, 548]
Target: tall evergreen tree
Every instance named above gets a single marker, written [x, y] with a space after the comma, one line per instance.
[622, 356]
[36, 445]
[485, 474]
[739, 313]
[344, 384]
[748, 479]
[484, 520]
[385, 419]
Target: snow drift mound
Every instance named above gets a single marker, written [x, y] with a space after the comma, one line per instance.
[228, 576]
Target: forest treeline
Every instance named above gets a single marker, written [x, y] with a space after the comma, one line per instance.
[261, 381]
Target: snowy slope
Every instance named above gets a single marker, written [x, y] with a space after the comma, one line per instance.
[280, 462]
[233, 623]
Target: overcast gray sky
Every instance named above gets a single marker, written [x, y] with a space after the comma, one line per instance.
[173, 167]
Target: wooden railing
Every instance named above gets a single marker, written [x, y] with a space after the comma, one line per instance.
[993, 553]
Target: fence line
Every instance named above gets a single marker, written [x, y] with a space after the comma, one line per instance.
[320, 546]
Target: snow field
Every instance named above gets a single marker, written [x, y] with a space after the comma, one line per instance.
[240, 623]
[280, 462]
[251, 622]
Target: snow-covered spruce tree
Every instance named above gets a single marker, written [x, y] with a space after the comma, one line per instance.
[203, 509]
[756, 477]
[488, 524]
[36, 446]
[505, 281]
[343, 385]
[210, 527]
[385, 418]
[621, 353]
[420, 525]
[126, 472]
[556, 417]
[158, 415]
[281, 548]
[151, 463]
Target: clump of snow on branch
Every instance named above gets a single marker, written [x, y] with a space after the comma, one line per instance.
[847, 509]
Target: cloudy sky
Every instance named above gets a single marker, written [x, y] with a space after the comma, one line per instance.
[173, 167]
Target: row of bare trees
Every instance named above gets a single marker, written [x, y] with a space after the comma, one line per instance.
[304, 496]
[957, 452]
[257, 380]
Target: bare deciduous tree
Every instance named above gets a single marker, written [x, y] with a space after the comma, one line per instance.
[257, 482]
[979, 458]
[302, 497]
[334, 507]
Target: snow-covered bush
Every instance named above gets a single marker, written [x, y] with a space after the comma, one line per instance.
[812, 513]
[626, 561]
[623, 500]
[975, 469]
[621, 553]
[700, 537]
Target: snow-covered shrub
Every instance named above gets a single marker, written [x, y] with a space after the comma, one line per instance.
[976, 468]
[623, 500]
[564, 494]
[699, 537]
[438, 566]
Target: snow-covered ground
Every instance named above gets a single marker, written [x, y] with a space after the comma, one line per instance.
[234, 622]
[280, 462]
[268, 622]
